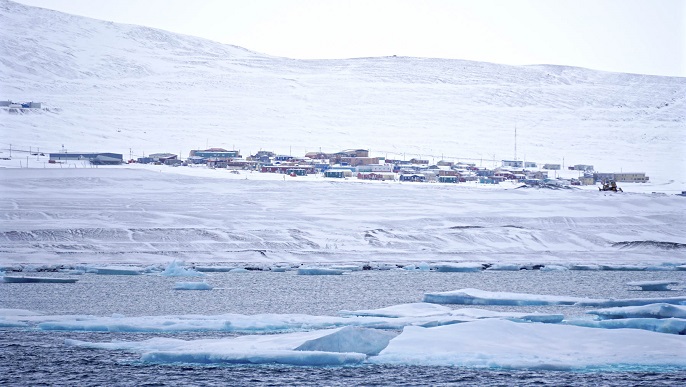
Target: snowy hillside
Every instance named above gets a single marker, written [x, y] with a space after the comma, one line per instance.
[114, 87]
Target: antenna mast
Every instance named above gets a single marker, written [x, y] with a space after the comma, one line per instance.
[515, 155]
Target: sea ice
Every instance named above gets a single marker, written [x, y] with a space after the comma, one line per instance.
[177, 269]
[659, 310]
[116, 270]
[458, 266]
[351, 339]
[239, 270]
[495, 343]
[418, 309]
[49, 280]
[192, 286]
[289, 348]
[318, 271]
[482, 297]
[653, 285]
[347, 267]
[214, 269]
[675, 326]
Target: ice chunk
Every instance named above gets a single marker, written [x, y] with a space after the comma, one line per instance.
[214, 269]
[495, 343]
[192, 286]
[554, 268]
[116, 270]
[418, 309]
[505, 267]
[177, 269]
[476, 313]
[351, 339]
[318, 271]
[633, 302]
[48, 280]
[458, 266]
[239, 270]
[675, 326]
[660, 310]
[653, 285]
[482, 297]
[251, 349]
[279, 269]
[423, 266]
[347, 267]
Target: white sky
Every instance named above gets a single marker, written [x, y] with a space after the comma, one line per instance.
[639, 36]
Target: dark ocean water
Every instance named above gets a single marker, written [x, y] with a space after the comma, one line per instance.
[34, 357]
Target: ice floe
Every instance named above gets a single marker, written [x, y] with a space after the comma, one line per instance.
[319, 271]
[495, 343]
[177, 269]
[417, 309]
[48, 280]
[192, 286]
[482, 297]
[487, 343]
[214, 269]
[458, 266]
[675, 326]
[658, 310]
[116, 270]
[653, 285]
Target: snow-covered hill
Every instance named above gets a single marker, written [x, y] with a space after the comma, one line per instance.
[118, 87]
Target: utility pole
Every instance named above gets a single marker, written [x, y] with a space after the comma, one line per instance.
[10, 150]
[515, 148]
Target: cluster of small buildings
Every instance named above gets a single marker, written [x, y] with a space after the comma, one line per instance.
[356, 163]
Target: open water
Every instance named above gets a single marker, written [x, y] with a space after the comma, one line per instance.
[34, 357]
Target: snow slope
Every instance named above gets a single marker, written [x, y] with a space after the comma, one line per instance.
[137, 215]
[124, 88]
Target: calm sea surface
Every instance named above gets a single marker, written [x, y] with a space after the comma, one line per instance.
[33, 357]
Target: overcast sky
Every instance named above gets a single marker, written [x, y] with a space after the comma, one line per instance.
[639, 36]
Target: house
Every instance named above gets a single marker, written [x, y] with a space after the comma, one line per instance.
[512, 163]
[106, 160]
[375, 168]
[85, 156]
[215, 153]
[355, 161]
[530, 164]
[552, 167]
[297, 171]
[283, 158]
[583, 167]
[630, 177]
[287, 169]
[162, 157]
[376, 176]
[337, 174]
[447, 179]
[413, 178]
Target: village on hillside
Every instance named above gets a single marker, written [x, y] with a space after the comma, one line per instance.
[357, 163]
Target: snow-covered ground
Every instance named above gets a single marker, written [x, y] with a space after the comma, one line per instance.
[146, 214]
